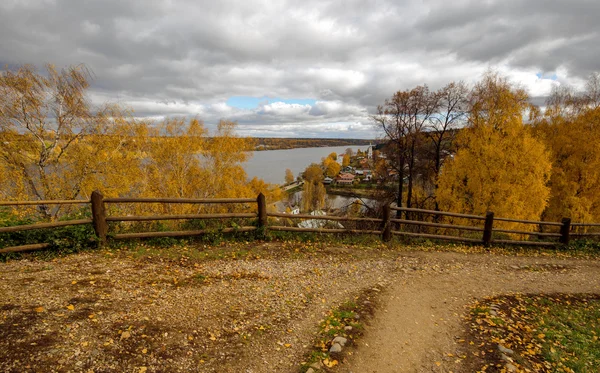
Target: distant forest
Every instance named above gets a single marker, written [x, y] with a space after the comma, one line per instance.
[272, 143]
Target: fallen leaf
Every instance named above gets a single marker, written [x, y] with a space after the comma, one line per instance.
[125, 335]
[330, 363]
[39, 309]
[71, 307]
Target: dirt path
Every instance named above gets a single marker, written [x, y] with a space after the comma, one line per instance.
[419, 323]
[253, 307]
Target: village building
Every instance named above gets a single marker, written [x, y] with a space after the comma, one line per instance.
[345, 179]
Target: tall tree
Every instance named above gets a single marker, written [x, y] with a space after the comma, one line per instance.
[346, 160]
[55, 143]
[570, 129]
[313, 196]
[499, 165]
[450, 115]
[403, 119]
[289, 176]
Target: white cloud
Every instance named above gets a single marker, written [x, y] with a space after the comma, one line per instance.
[187, 57]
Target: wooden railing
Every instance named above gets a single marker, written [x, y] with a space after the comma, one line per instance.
[21, 228]
[479, 230]
[100, 219]
[487, 230]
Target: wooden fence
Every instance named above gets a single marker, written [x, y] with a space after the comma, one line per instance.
[482, 232]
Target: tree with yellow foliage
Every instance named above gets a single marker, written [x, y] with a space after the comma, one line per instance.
[570, 129]
[499, 165]
[289, 176]
[55, 144]
[313, 196]
[173, 165]
[331, 167]
[346, 160]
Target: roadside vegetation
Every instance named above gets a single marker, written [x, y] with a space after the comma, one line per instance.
[539, 333]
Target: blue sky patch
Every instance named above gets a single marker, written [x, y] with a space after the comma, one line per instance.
[247, 102]
[552, 76]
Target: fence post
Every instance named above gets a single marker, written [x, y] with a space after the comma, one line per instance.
[487, 228]
[99, 216]
[386, 225]
[262, 210]
[565, 230]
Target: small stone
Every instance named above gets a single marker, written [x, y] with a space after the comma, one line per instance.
[335, 348]
[493, 312]
[506, 358]
[511, 368]
[310, 370]
[339, 340]
[316, 365]
[505, 350]
[347, 328]
[357, 317]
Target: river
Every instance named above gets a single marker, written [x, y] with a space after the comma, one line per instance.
[270, 165]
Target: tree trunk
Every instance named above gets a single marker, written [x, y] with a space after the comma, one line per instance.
[411, 166]
[400, 184]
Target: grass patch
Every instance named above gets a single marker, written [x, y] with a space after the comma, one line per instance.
[548, 333]
[346, 320]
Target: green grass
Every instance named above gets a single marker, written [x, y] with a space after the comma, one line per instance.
[549, 333]
[571, 331]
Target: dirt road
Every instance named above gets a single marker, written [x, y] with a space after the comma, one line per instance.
[253, 307]
[420, 321]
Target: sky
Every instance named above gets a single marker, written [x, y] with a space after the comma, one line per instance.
[310, 68]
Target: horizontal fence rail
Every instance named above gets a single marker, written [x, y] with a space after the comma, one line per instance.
[66, 223]
[179, 200]
[181, 217]
[441, 213]
[389, 223]
[49, 202]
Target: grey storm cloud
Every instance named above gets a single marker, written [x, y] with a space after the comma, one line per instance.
[188, 57]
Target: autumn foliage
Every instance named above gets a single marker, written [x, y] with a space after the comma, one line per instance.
[487, 148]
[499, 165]
[57, 145]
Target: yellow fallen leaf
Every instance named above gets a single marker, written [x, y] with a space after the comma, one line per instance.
[287, 345]
[145, 350]
[39, 309]
[125, 335]
[330, 363]
[73, 282]
[438, 363]
[71, 307]
[143, 369]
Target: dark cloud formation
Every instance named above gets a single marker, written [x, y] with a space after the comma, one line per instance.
[187, 57]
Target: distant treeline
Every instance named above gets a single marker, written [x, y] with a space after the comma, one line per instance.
[271, 143]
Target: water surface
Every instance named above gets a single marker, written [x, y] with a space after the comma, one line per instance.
[270, 165]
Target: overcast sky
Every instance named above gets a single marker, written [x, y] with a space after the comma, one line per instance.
[310, 68]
